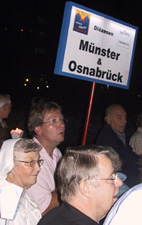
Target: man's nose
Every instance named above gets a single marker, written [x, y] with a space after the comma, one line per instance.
[119, 182]
[124, 120]
[61, 122]
[37, 167]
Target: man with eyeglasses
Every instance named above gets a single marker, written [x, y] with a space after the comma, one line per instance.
[46, 125]
[88, 186]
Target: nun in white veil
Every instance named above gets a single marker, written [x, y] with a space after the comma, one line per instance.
[16, 208]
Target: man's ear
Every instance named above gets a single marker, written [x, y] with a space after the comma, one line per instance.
[37, 130]
[108, 120]
[84, 188]
[5, 107]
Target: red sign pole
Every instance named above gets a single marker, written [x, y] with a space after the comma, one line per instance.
[89, 113]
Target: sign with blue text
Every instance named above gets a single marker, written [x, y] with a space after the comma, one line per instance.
[95, 47]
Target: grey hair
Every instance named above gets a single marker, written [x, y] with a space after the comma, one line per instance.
[4, 99]
[81, 163]
[26, 145]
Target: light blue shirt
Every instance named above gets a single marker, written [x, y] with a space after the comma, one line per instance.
[128, 209]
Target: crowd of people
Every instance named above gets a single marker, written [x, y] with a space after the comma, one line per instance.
[91, 184]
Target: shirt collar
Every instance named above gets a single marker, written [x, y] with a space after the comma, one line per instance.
[54, 154]
[87, 220]
[121, 136]
[118, 133]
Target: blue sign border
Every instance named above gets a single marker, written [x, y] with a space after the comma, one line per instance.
[63, 40]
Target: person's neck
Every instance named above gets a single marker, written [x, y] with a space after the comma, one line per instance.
[122, 133]
[12, 179]
[49, 147]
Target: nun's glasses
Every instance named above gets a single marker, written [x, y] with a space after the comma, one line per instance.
[32, 163]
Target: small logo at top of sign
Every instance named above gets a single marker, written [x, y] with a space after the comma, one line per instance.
[81, 23]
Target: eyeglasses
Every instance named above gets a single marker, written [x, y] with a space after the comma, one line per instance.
[112, 178]
[55, 121]
[33, 163]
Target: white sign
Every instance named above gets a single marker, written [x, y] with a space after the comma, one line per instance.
[95, 47]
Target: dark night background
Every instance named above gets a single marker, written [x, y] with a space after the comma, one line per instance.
[30, 32]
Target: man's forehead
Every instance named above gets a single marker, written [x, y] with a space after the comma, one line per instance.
[104, 160]
[105, 166]
[118, 110]
[52, 112]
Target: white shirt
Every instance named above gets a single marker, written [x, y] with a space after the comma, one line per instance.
[16, 208]
[128, 209]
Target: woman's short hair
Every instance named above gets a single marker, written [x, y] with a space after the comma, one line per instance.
[81, 163]
[26, 145]
[37, 112]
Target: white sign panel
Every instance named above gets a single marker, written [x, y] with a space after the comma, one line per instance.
[95, 47]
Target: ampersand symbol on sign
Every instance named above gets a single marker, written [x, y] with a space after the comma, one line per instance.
[99, 61]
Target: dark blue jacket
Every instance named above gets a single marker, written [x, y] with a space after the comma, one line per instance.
[129, 159]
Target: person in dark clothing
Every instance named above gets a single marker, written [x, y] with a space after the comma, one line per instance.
[112, 134]
[88, 185]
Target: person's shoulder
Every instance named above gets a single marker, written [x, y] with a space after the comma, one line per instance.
[53, 217]
[132, 193]
[106, 133]
[135, 137]
[105, 129]
[128, 202]
[136, 188]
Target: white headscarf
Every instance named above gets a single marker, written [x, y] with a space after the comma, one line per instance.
[6, 157]
[15, 205]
